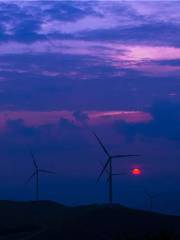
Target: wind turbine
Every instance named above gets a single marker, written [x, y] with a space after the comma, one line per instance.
[108, 165]
[36, 175]
[151, 197]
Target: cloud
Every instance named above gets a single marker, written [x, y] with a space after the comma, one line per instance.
[117, 66]
[81, 116]
[96, 33]
[151, 10]
[115, 59]
[28, 21]
[153, 33]
[137, 23]
[35, 119]
[69, 11]
[18, 134]
[165, 123]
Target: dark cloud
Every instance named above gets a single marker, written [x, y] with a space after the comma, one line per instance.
[10, 15]
[70, 11]
[17, 133]
[33, 15]
[165, 123]
[80, 116]
[26, 31]
[174, 62]
[61, 135]
[141, 28]
[84, 83]
[65, 124]
[17, 128]
[156, 33]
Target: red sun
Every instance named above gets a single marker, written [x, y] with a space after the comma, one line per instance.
[136, 171]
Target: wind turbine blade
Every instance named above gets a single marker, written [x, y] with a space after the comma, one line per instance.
[147, 193]
[102, 171]
[45, 171]
[100, 142]
[125, 155]
[118, 174]
[102, 164]
[34, 160]
[29, 179]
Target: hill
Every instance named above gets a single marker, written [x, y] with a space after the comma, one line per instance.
[49, 220]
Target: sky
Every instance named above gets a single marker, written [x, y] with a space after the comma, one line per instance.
[110, 66]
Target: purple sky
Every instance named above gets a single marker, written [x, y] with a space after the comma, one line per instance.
[111, 65]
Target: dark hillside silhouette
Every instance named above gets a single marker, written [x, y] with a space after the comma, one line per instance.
[49, 220]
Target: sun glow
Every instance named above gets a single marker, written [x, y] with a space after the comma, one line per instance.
[136, 171]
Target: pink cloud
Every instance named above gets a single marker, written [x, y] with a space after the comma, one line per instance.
[35, 119]
[100, 117]
[111, 51]
[172, 94]
[143, 59]
[153, 69]
[138, 57]
[141, 53]
[50, 73]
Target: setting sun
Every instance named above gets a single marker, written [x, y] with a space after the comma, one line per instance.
[136, 171]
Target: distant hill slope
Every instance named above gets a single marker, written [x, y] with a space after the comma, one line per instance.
[25, 216]
[49, 220]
